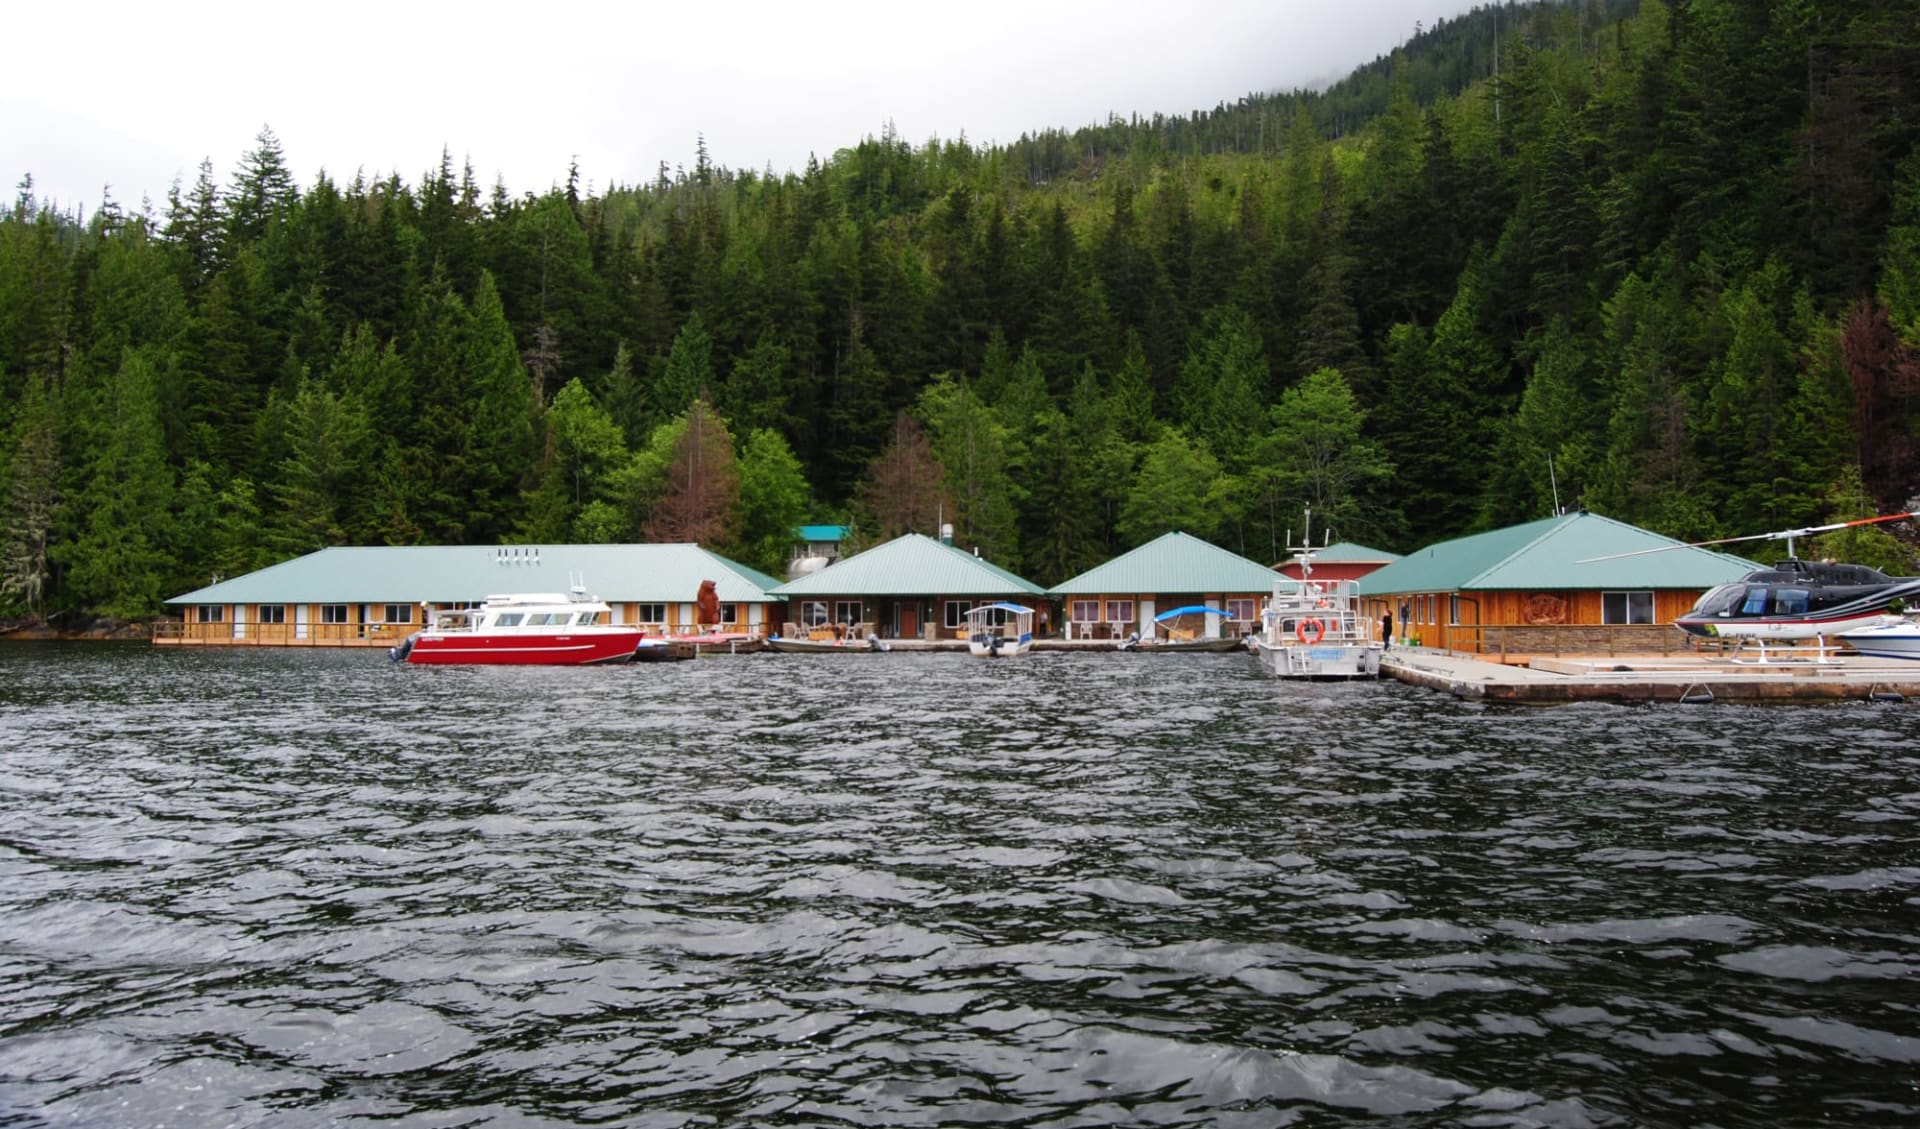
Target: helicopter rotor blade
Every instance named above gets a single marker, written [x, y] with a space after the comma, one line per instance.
[1781, 535]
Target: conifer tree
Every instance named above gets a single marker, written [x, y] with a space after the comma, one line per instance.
[116, 522]
[905, 489]
[30, 476]
[688, 372]
[703, 483]
[327, 441]
[262, 189]
[971, 443]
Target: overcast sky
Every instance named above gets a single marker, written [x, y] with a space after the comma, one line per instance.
[135, 96]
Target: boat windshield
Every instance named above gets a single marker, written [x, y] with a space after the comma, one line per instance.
[589, 619]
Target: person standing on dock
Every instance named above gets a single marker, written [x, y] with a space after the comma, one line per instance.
[1386, 630]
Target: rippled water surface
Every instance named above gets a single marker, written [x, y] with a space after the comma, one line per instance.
[307, 888]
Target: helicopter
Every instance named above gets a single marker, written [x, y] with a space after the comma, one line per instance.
[1797, 600]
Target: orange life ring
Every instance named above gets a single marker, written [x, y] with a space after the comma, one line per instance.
[1310, 631]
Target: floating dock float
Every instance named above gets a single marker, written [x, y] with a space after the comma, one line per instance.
[1686, 679]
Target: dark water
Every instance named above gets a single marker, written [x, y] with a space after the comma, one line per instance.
[287, 889]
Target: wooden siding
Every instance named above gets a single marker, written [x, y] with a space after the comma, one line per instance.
[1114, 623]
[1511, 623]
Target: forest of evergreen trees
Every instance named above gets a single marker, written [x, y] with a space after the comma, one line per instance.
[1658, 260]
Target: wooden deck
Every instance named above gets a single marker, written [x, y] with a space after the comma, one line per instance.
[1799, 676]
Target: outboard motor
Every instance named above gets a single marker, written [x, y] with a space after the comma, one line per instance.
[399, 651]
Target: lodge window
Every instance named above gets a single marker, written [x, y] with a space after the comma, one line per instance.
[846, 611]
[651, 613]
[957, 612]
[273, 613]
[398, 613]
[1626, 607]
[212, 613]
[1453, 609]
[813, 613]
[1242, 611]
[1120, 611]
[333, 613]
[1085, 611]
[729, 613]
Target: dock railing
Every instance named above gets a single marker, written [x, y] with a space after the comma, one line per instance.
[228, 633]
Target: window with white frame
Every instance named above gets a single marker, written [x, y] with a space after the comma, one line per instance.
[956, 614]
[333, 613]
[273, 613]
[1085, 611]
[651, 613]
[211, 613]
[1626, 607]
[397, 613]
[1119, 611]
[846, 611]
[1243, 610]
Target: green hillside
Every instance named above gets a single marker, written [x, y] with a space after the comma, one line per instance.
[1658, 260]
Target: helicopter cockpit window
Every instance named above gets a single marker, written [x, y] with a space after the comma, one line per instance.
[1789, 601]
[1721, 601]
[1756, 603]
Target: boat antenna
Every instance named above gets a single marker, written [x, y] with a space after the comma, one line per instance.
[1305, 549]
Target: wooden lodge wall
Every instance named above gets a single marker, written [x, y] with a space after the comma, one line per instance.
[1534, 622]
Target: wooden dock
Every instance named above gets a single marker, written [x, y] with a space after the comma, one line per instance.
[1689, 679]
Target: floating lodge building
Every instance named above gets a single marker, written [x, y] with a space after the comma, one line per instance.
[377, 596]
[1578, 583]
[1115, 600]
[1574, 584]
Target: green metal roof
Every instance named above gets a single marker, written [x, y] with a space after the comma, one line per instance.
[1556, 553]
[1172, 562]
[445, 573]
[1346, 552]
[912, 564]
[819, 532]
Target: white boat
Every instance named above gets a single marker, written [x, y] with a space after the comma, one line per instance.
[524, 629]
[998, 631]
[830, 639]
[1314, 630]
[1165, 637]
[1892, 638]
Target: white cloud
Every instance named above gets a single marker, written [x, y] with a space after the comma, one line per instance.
[136, 96]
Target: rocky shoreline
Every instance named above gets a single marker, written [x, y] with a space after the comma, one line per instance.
[103, 629]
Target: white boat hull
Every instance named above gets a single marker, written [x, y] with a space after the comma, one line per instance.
[1320, 661]
[1886, 641]
[999, 646]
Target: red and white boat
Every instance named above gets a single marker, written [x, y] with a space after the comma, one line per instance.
[529, 629]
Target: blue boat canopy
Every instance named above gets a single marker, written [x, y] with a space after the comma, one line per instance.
[1014, 608]
[1188, 610]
